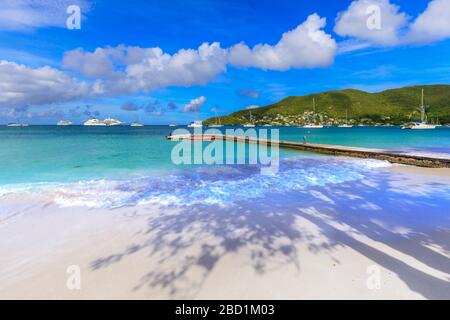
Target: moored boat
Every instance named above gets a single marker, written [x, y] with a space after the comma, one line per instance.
[195, 124]
[422, 125]
[313, 124]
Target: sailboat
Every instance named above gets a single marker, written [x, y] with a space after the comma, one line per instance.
[217, 123]
[345, 125]
[250, 124]
[313, 125]
[438, 123]
[422, 125]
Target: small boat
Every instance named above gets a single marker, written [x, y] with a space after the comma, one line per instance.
[193, 137]
[313, 125]
[345, 125]
[64, 123]
[172, 125]
[195, 124]
[422, 125]
[438, 123]
[136, 124]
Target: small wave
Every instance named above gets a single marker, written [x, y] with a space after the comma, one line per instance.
[211, 185]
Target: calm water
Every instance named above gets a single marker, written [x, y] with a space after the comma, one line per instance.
[50, 153]
[117, 166]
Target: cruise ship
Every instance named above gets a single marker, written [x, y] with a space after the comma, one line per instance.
[64, 123]
[94, 122]
[112, 122]
[17, 125]
[107, 122]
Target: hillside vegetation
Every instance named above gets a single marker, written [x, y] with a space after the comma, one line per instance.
[395, 106]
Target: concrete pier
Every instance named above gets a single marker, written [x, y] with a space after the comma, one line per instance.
[421, 159]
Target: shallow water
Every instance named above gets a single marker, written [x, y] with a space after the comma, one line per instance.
[122, 166]
[63, 154]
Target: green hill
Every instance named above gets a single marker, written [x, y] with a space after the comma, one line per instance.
[395, 106]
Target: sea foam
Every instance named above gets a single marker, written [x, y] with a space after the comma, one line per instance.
[213, 185]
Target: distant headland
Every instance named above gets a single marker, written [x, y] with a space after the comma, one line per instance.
[356, 107]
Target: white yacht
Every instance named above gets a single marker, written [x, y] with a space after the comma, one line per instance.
[313, 125]
[422, 125]
[172, 125]
[14, 125]
[136, 124]
[64, 123]
[195, 124]
[345, 125]
[416, 125]
[94, 122]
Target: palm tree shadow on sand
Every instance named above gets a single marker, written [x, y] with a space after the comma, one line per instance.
[187, 242]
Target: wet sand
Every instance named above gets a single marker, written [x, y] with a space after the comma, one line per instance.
[386, 237]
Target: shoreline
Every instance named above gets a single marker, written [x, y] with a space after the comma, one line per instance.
[315, 249]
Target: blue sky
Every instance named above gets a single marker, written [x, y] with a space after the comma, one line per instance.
[49, 72]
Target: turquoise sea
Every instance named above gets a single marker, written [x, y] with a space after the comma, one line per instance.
[114, 166]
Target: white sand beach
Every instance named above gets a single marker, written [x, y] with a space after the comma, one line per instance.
[339, 242]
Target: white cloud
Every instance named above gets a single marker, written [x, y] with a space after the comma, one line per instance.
[96, 64]
[304, 47]
[22, 15]
[252, 107]
[360, 21]
[194, 105]
[433, 24]
[20, 85]
[132, 69]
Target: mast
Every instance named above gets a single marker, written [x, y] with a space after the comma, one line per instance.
[314, 109]
[422, 98]
[422, 109]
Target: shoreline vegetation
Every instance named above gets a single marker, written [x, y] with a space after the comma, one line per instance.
[392, 107]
